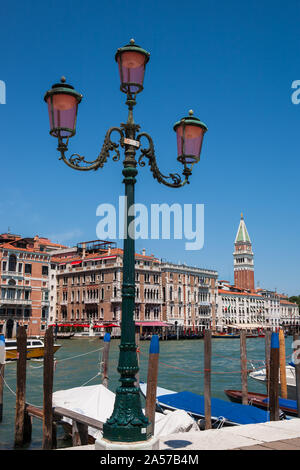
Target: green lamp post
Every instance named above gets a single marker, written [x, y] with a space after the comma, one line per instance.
[127, 422]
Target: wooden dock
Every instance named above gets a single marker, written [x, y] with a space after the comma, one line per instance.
[274, 435]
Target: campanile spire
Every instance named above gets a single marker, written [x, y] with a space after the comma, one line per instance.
[243, 258]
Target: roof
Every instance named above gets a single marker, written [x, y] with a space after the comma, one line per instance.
[247, 294]
[242, 233]
[95, 256]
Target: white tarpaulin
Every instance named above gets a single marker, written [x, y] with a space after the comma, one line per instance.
[96, 401]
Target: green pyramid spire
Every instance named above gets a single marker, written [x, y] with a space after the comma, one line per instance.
[242, 233]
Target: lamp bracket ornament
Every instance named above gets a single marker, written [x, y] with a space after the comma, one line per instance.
[149, 153]
[78, 162]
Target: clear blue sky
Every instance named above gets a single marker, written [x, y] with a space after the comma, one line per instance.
[232, 62]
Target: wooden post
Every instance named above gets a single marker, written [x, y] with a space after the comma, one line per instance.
[152, 381]
[267, 358]
[21, 386]
[207, 378]
[48, 389]
[296, 360]
[244, 379]
[105, 355]
[137, 342]
[79, 433]
[274, 378]
[283, 384]
[2, 367]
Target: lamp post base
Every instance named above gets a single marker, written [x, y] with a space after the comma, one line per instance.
[150, 444]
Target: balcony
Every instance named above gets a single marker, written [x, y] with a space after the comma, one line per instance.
[15, 302]
[91, 301]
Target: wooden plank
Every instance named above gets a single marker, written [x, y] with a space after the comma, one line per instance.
[93, 423]
[21, 386]
[244, 377]
[48, 389]
[152, 381]
[207, 378]
[79, 434]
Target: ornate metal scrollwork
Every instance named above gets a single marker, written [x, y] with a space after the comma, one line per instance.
[150, 154]
[78, 162]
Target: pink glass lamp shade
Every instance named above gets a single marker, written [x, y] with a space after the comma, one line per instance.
[189, 131]
[62, 102]
[132, 61]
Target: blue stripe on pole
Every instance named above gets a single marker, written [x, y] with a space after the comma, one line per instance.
[275, 341]
[106, 338]
[2, 339]
[154, 345]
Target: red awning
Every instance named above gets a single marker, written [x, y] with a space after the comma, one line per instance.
[77, 262]
[151, 323]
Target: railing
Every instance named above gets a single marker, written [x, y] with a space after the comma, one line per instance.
[15, 302]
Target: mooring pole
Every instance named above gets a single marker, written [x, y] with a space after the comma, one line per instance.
[137, 342]
[152, 381]
[297, 370]
[48, 389]
[2, 367]
[105, 356]
[283, 384]
[267, 357]
[274, 378]
[207, 378]
[21, 386]
[243, 350]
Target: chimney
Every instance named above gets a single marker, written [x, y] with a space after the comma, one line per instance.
[83, 250]
[143, 252]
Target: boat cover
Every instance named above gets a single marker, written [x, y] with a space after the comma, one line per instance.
[232, 412]
[97, 402]
[284, 403]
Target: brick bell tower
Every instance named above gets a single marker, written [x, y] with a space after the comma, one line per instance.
[243, 258]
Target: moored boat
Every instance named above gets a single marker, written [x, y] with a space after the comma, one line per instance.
[223, 413]
[260, 376]
[289, 407]
[35, 349]
[225, 335]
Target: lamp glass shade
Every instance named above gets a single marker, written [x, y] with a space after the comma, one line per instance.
[62, 109]
[132, 70]
[189, 142]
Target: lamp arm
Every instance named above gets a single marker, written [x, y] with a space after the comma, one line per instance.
[149, 153]
[75, 160]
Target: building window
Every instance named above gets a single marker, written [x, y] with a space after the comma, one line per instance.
[12, 263]
[45, 270]
[27, 268]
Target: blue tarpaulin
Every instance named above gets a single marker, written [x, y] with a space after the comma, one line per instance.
[232, 412]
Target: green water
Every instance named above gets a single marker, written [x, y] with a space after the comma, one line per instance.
[181, 368]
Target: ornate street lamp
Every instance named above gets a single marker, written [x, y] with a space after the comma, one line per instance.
[127, 423]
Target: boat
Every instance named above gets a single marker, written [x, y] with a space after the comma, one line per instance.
[260, 376]
[64, 335]
[97, 402]
[289, 407]
[35, 349]
[223, 413]
[225, 335]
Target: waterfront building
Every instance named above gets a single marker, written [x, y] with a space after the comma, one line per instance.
[89, 286]
[252, 309]
[24, 273]
[189, 296]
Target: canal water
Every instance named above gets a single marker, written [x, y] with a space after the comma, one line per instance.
[181, 368]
